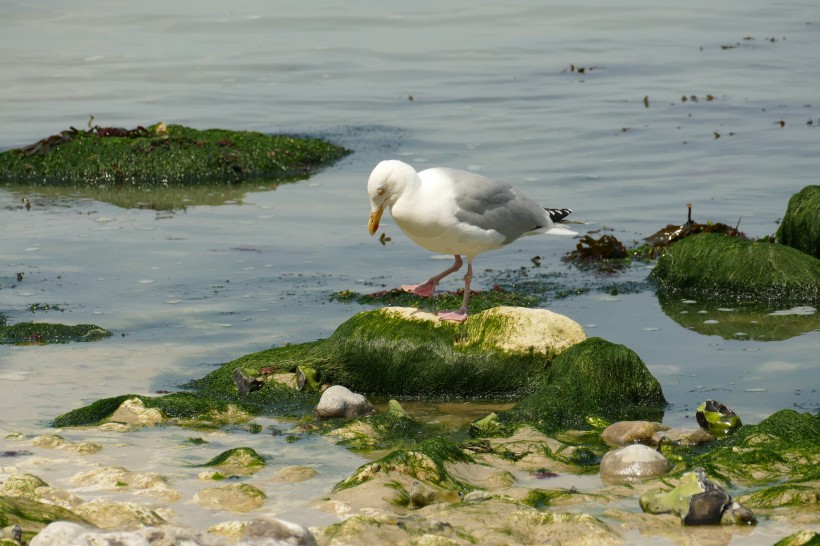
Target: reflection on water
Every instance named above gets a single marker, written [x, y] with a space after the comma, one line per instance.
[740, 321]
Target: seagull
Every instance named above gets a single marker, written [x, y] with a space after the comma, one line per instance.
[448, 211]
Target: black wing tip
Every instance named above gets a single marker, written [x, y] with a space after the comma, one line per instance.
[556, 215]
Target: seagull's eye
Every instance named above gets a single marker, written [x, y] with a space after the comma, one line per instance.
[380, 192]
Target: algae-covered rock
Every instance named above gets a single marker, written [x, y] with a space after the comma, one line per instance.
[800, 228]
[40, 333]
[593, 379]
[785, 494]
[235, 497]
[735, 269]
[109, 514]
[162, 155]
[696, 500]
[32, 516]
[239, 461]
[717, 418]
[404, 351]
[806, 537]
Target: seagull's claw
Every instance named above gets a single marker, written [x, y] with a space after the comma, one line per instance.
[456, 316]
[425, 289]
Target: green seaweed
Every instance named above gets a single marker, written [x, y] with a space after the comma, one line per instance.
[785, 445]
[593, 379]
[40, 333]
[730, 268]
[479, 301]
[800, 228]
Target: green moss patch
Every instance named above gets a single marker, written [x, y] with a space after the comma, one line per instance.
[40, 333]
[734, 269]
[784, 445]
[800, 227]
[591, 380]
[160, 155]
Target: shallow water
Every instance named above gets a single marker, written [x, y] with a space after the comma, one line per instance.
[483, 86]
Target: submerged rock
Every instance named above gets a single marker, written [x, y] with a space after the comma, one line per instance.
[730, 268]
[235, 497]
[634, 462]
[697, 500]
[239, 461]
[805, 537]
[65, 533]
[799, 228]
[338, 401]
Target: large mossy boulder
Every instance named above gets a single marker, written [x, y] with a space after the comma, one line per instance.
[403, 351]
[800, 227]
[734, 269]
[591, 381]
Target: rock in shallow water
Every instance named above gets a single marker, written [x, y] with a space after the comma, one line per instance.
[633, 462]
[259, 532]
[630, 432]
[697, 500]
[338, 401]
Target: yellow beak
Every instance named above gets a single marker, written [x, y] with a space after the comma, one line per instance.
[375, 216]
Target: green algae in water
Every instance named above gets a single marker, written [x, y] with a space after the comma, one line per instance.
[729, 268]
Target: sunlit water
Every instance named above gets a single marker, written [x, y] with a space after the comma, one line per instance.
[483, 86]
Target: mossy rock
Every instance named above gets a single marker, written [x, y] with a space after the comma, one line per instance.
[800, 228]
[593, 380]
[32, 516]
[240, 461]
[739, 320]
[136, 167]
[734, 269]
[425, 462]
[40, 333]
[407, 352]
[783, 447]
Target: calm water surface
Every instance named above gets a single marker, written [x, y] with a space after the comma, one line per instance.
[483, 86]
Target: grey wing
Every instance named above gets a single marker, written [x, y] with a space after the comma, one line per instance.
[492, 205]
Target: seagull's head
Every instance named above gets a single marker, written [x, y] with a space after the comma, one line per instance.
[386, 183]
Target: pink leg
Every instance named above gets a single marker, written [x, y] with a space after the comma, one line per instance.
[428, 287]
[460, 315]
